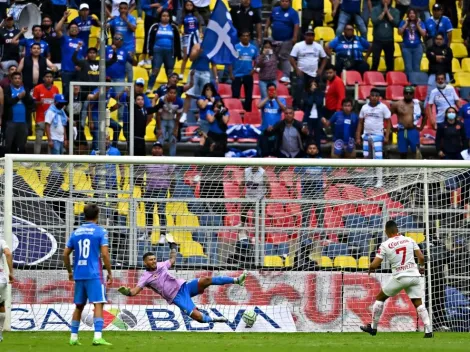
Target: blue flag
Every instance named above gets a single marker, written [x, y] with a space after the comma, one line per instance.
[220, 37]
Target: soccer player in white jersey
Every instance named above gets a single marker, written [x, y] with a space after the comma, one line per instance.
[406, 275]
[4, 250]
[371, 128]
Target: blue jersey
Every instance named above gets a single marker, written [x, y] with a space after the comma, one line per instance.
[85, 28]
[411, 36]
[68, 46]
[283, 23]
[190, 24]
[119, 26]
[464, 113]
[86, 242]
[118, 69]
[351, 6]
[201, 63]
[349, 47]
[164, 37]
[444, 26]
[246, 55]
[214, 126]
[345, 125]
[19, 110]
[27, 43]
[271, 113]
[203, 112]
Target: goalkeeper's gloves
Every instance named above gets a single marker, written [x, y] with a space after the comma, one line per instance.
[126, 291]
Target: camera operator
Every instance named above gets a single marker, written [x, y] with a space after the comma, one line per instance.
[215, 142]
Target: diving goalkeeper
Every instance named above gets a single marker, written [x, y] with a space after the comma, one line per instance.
[178, 291]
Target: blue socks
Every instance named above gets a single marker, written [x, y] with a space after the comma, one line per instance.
[75, 326]
[98, 322]
[223, 280]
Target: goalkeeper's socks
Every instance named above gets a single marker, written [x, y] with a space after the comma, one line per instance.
[99, 323]
[377, 310]
[424, 316]
[223, 280]
[2, 320]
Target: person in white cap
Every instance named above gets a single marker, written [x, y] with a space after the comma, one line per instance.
[84, 22]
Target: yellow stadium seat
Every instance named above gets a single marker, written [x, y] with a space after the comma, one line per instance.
[324, 33]
[424, 64]
[457, 35]
[289, 261]
[326, 262]
[396, 36]
[273, 261]
[398, 50]
[93, 42]
[190, 221]
[455, 65]
[58, 84]
[462, 79]
[78, 208]
[177, 208]
[31, 177]
[139, 46]
[150, 132]
[363, 263]
[72, 15]
[466, 64]
[140, 72]
[95, 32]
[382, 67]
[188, 249]
[140, 30]
[418, 237]
[459, 50]
[370, 35]
[399, 64]
[213, 2]
[343, 261]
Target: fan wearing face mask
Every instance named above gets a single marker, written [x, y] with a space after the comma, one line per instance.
[450, 137]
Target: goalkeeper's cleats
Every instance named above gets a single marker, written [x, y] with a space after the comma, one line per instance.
[428, 335]
[74, 342]
[369, 330]
[242, 278]
[101, 342]
[220, 320]
[126, 291]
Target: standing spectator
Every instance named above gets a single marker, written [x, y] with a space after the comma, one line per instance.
[412, 30]
[466, 32]
[384, 19]
[36, 39]
[84, 22]
[308, 60]
[216, 141]
[246, 19]
[241, 72]
[267, 62]
[335, 92]
[438, 24]
[422, 8]
[117, 71]
[443, 97]
[349, 49]
[205, 104]
[161, 91]
[79, 119]
[312, 11]
[285, 28]
[142, 118]
[43, 95]
[169, 110]
[290, 136]
[150, 8]
[367, 6]
[55, 8]
[371, 129]
[449, 9]
[313, 111]
[125, 24]
[164, 40]
[34, 67]
[18, 107]
[68, 44]
[50, 37]
[450, 137]
[345, 125]
[464, 114]
[440, 58]
[191, 22]
[10, 51]
[90, 66]
[203, 9]
[159, 177]
[113, 7]
[139, 89]
[56, 122]
[6, 81]
[271, 108]
[350, 10]
[402, 6]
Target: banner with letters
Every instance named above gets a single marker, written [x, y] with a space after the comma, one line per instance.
[285, 302]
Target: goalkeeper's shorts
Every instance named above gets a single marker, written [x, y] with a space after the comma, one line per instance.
[183, 298]
[91, 290]
[3, 292]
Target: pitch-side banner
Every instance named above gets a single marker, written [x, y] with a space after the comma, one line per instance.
[285, 301]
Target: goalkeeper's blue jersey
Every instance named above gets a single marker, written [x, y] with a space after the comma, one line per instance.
[86, 242]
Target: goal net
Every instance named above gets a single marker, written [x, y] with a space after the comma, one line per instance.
[306, 231]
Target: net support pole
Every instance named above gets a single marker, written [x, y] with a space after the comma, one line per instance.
[7, 230]
[133, 205]
[428, 241]
[257, 234]
[69, 219]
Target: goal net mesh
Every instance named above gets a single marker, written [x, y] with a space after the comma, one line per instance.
[306, 235]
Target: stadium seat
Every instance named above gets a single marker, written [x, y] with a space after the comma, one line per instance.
[252, 118]
[140, 30]
[459, 50]
[381, 68]
[299, 115]
[363, 262]
[273, 261]
[225, 90]
[140, 72]
[466, 64]
[421, 92]
[370, 35]
[31, 177]
[462, 79]
[397, 52]
[282, 90]
[418, 78]
[396, 78]
[191, 248]
[332, 219]
[326, 262]
[418, 237]
[364, 92]
[457, 35]
[333, 250]
[374, 78]
[465, 93]
[428, 136]
[326, 34]
[424, 64]
[270, 249]
[58, 84]
[233, 104]
[345, 262]
[456, 66]
[196, 259]
[333, 194]
[353, 77]
[256, 92]
[235, 118]
[398, 64]
[354, 221]
[394, 92]
[283, 248]
[397, 38]
[376, 221]
[406, 222]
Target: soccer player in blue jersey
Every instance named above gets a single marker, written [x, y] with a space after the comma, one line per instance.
[90, 243]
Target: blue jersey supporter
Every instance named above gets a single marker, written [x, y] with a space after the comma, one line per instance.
[349, 50]
[27, 46]
[350, 11]
[243, 68]
[464, 114]
[439, 24]
[117, 71]
[271, 108]
[124, 25]
[84, 22]
[283, 22]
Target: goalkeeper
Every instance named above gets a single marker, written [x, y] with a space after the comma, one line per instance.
[178, 291]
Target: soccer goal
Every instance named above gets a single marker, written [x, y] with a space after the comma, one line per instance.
[305, 229]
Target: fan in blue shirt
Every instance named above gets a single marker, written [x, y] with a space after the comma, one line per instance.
[285, 22]
[84, 23]
[118, 69]
[347, 47]
[438, 24]
[126, 25]
[246, 55]
[464, 113]
[271, 112]
[68, 44]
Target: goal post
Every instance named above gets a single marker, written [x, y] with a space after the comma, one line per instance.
[305, 229]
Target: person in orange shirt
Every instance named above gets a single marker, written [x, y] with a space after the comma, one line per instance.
[43, 95]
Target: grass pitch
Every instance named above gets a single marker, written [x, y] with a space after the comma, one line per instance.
[259, 342]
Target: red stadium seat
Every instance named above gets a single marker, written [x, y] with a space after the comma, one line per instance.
[380, 194]
[254, 104]
[397, 79]
[233, 104]
[374, 78]
[225, 90]
[394, 92]
[256, 92]
[387, 103]
[333, 193]
[190, 132]
[393, 120]
[428, 136]
[252, 118]
[256, 78]
[364, 92]
[332, 219]
[231, 190]
[282, 90]
[235, 118]
[352, 192]
[420, 92]
[353, 77]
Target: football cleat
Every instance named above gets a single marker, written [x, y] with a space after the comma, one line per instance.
[102, 342]
[428, 335]
[368, 328]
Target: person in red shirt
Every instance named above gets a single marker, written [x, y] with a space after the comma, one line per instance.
[43, 95]
[335, 92]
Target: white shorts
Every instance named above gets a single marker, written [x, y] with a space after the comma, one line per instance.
[3, 292]
[411, 284]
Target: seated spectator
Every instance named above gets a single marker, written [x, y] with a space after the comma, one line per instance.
[205, 103]
[216, 141]
[443, 97]
[438, 24]
[412, 30]
[313, 111]
[335, 92]
[50, 37]
[164, 41]
[308, 60]
[384, 19]
[191, 22]
[345, 125]
[285, 28]
[267, 62]
[11, 68]
[349, 50]
[56, 123]
[169, 109]
[440, 57]
[84, 22]
[450, 137]
[349, 11]
[241, 72]
[11, 52]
